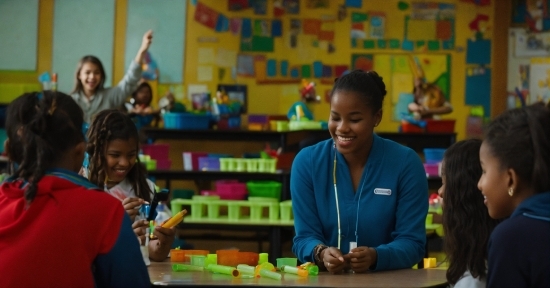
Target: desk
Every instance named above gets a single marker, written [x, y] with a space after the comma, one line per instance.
[161, 274]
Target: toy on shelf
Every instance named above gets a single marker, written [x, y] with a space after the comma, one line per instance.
[428, 97]
[308, 92]
[48, 83]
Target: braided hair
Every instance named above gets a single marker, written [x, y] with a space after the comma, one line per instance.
[368, 84]
[109, 125]
[40, 127]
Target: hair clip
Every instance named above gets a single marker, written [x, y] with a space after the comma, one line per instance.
[52, 108]
[39, 96]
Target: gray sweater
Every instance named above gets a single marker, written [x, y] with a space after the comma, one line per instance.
[109, 98]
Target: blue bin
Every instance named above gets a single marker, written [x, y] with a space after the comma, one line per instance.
[186, 121]
[433, 155]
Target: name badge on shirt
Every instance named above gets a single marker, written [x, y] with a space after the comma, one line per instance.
[382, 191]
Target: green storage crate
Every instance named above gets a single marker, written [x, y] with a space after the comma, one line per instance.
[271, 189]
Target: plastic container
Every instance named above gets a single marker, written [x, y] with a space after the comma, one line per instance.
[410, 128]
[234, 211]
[227, 164]
[177, 255]
[257, 210]
[233, 122]
[432, 169]
[163, 164]
[151, 165]
[264, 189]
[267, 165]
[251, 165]
[240, 164]
[441, 126]
[248, 258]
[189, 253]
[293, 262]
[231, 190]
[191, 160]
[286, 210]
[433, 155]
[304, 125]
[156, 151]
[198, 260]
[186, 121]
[182, 193]
[228, 257]
[209, 164]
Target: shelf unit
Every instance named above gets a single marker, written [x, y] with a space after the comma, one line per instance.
[290, 141]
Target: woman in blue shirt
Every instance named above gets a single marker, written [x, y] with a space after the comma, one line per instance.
[357, 189]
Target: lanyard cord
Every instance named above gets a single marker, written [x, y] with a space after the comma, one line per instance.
[336, 197]
[338, 206]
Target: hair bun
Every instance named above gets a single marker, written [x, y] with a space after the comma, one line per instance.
[378, 81]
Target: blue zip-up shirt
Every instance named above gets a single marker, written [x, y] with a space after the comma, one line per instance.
[519, 247]
[389, 208]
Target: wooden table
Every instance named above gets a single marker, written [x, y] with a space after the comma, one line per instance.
[161, 274]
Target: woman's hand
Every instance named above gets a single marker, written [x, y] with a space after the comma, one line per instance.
[362, 258]
[132, 205]
[333, 260]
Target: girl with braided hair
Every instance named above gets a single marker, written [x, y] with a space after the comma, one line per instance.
[114, 165]
[45, 202]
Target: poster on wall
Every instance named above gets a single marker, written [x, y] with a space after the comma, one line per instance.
[531, 44]
[539, 80]
[362, 62]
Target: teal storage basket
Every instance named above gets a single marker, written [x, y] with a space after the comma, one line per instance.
[186, 121]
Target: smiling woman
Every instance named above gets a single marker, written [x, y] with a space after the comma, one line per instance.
[359, 201]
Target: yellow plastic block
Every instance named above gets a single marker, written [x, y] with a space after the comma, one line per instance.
[430, 263]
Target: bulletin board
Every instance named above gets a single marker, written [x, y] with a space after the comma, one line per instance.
[167, 20]
[528, 66]
[19, 25]
[80, 31]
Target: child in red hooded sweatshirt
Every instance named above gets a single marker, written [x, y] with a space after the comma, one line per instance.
[57, 228]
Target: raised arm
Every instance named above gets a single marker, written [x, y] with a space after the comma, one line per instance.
[118, 94]
[145, 43]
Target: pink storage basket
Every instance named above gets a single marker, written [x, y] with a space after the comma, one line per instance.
[231, 190]
[432, 169]
[156, 151]
[164, 164]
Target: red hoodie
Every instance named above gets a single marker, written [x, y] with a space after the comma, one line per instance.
[59, 238]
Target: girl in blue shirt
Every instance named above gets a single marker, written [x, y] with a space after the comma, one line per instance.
[515, 160]
[358, 189]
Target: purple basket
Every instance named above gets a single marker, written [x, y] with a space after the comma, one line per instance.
[209, 164]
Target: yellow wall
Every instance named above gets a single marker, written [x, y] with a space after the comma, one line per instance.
[276, 99]
[267, 98]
